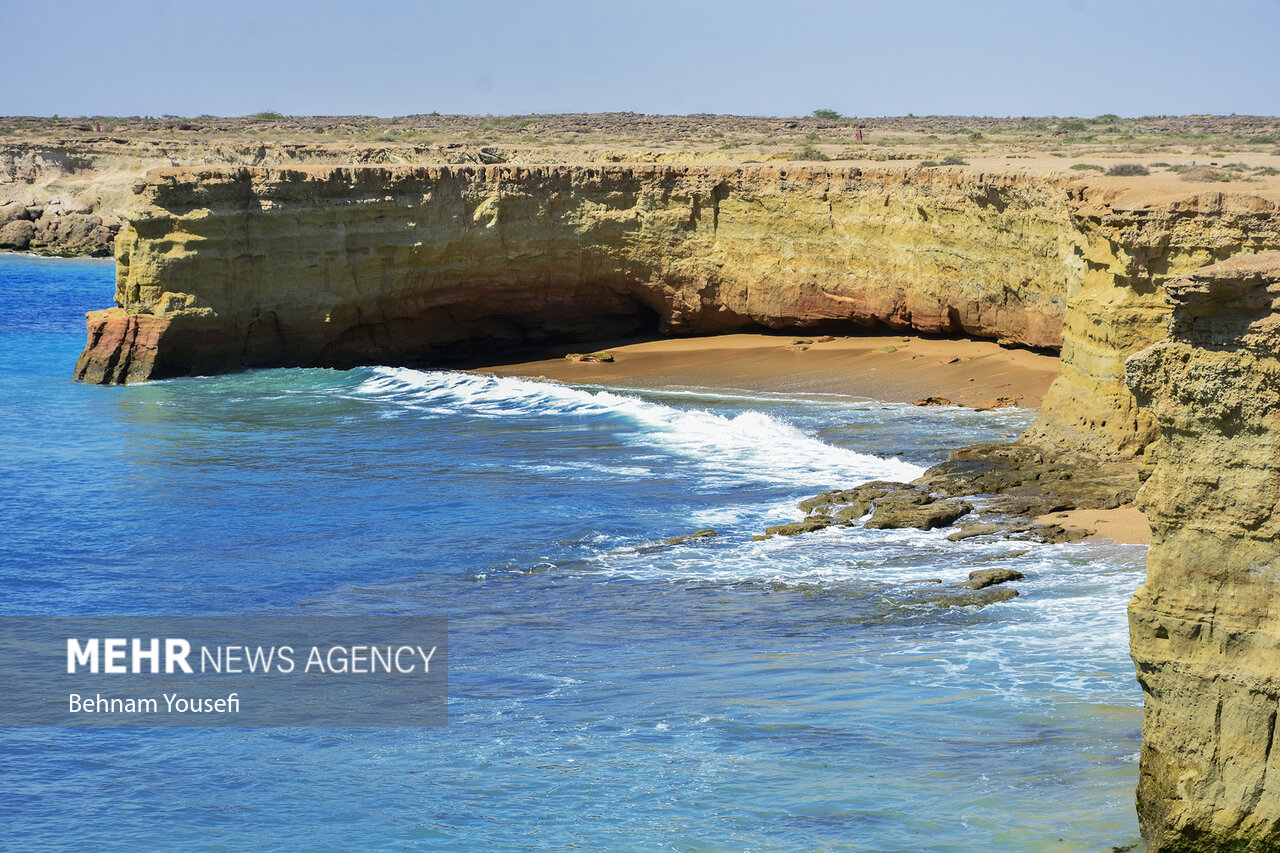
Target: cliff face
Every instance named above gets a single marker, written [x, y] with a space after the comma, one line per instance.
[222, 269]
[225, 269]
[1118, 307]
[1205, 628]
[65, 196]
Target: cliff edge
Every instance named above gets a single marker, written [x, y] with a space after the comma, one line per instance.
[1205, 628]
[227, 269]
[221, 269]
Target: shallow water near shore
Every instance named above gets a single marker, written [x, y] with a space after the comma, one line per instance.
[607, 691]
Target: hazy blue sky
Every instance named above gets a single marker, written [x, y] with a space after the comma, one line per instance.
[982, 57]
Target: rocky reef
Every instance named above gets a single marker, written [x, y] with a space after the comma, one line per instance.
[229, 269]
[1205, 628]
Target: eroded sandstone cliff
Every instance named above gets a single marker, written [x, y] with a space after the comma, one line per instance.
[1205, 628]
[66, 195]
[222, 269]
[1118, 306]
[226, 269]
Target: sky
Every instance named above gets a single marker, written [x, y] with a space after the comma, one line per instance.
[501, 57]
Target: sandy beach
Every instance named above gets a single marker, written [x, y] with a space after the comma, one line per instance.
[897, 368]
[892, 367]
[1125, 525]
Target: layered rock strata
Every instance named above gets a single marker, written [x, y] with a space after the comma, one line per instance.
[65, 196]
[1205, 627]
[1118, 306]
[222, 269]
[230, 269]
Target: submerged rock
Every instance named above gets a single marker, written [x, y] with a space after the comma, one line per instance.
[697, 534]
[983, 578]
[981, 598]
[855, 502]
[976, 528]
[795, 528]
[959, 596]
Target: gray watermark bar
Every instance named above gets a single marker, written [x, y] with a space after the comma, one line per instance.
[224, 670]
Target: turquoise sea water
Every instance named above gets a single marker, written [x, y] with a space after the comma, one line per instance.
[605, 693]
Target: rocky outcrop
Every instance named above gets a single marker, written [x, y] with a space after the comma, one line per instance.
[1117, 307]
[1205, 627]
[1026, 480]
[342, 266]
[57, 228]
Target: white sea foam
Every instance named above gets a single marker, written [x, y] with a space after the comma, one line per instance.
[752, 444]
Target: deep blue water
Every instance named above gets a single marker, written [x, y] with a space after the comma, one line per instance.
[605, 694]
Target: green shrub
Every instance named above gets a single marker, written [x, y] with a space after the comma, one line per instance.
[975, 136]
[269, 115]
[1068, 125]
[954, 160]
[827, 114]
[927, 163]
[1125, 170]
[1080, 167]
[809, 153]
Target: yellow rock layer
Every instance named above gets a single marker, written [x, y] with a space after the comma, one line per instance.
[1205, 628]
[1119, 306]
[339, 266]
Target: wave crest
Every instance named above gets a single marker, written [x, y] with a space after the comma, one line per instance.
[751, 443]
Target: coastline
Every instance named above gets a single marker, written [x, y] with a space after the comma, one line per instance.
[892, 367]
